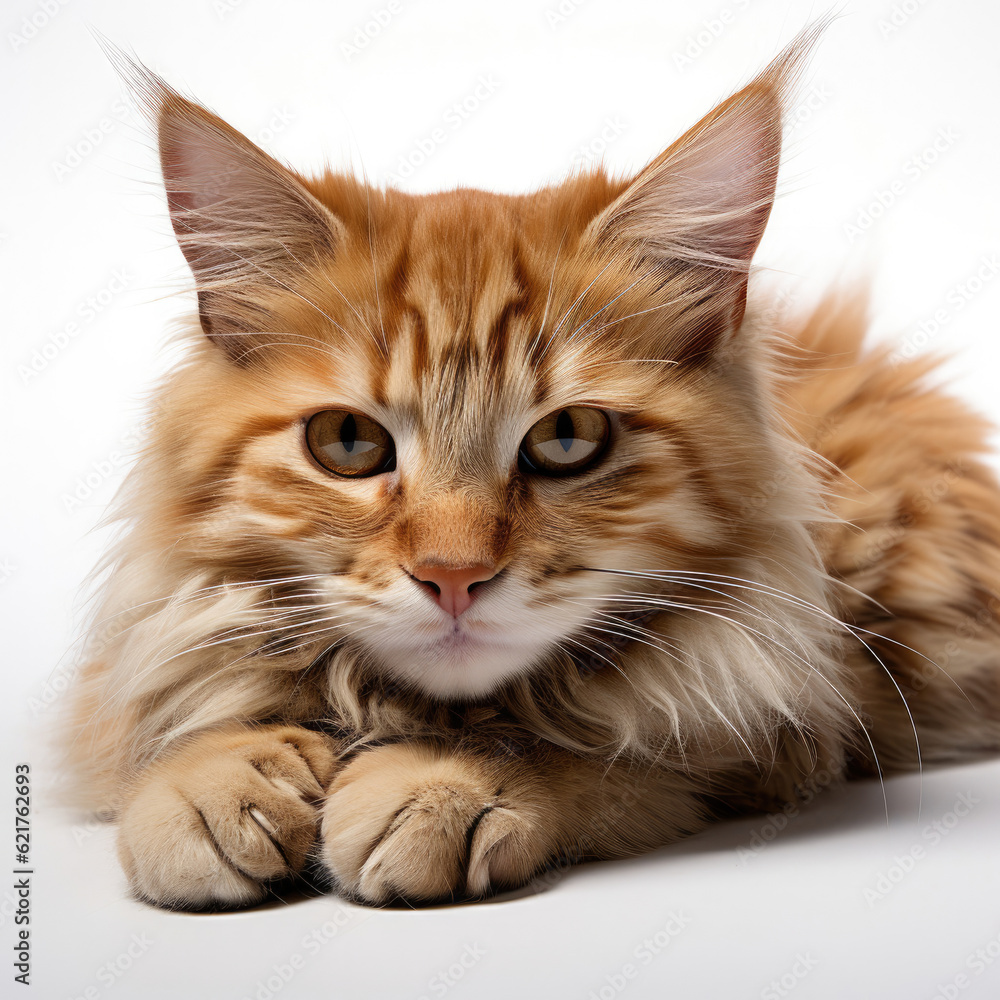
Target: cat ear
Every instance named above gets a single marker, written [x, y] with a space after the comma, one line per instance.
[696, 213]
[244, 222]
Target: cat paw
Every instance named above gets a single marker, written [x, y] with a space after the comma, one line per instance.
[211, 825]
[416, 823]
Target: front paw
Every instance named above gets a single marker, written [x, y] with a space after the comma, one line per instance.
[417, 823]
[213, 824]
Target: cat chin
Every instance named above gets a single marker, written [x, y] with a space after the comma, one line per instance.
[463, 667]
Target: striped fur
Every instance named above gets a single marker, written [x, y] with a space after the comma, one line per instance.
[785, 562]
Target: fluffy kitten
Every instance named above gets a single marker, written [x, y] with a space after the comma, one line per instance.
[478, 532]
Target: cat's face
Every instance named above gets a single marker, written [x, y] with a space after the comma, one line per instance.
[469, 417]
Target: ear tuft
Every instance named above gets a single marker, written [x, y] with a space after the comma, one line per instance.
[245, 223]
[704, 202]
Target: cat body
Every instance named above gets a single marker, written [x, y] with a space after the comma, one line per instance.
[480, 532]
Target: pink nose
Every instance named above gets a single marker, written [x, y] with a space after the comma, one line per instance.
[452, 587]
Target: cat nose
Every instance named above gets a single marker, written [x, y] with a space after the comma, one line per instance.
[451, 586]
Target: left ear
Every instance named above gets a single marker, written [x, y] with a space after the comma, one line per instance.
[247, 225]
[701, 206]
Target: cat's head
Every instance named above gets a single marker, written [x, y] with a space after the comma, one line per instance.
[488, 428]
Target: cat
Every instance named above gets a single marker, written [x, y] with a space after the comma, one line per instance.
[478, 533]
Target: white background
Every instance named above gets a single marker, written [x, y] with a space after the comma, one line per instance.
[82, 220]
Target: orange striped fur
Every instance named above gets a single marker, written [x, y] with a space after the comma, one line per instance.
[785, 563]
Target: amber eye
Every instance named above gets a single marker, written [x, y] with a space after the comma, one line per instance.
[565, 442]
[349, 444]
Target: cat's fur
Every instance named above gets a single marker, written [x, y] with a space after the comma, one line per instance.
[664, 643]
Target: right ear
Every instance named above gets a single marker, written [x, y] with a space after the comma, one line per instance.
[244, 222]
[701, 206]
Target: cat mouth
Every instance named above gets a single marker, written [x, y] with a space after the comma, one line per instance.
[604, 636]
[464, 637]
[458, 662]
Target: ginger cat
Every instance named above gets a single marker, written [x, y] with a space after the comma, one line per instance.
[482, 531]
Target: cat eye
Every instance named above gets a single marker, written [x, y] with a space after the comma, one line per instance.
[349, 444]
[565, 442]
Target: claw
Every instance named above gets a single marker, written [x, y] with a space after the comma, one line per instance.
[263, 821]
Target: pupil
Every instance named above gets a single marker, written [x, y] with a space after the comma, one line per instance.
[564, 430]
[349, 433]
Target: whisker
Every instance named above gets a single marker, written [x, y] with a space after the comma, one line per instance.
[267, 274]
[612, 301]
[548, 298]
[371, 247]
[680, 607]
[579, 299]
[592, 652]
[656, 645]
